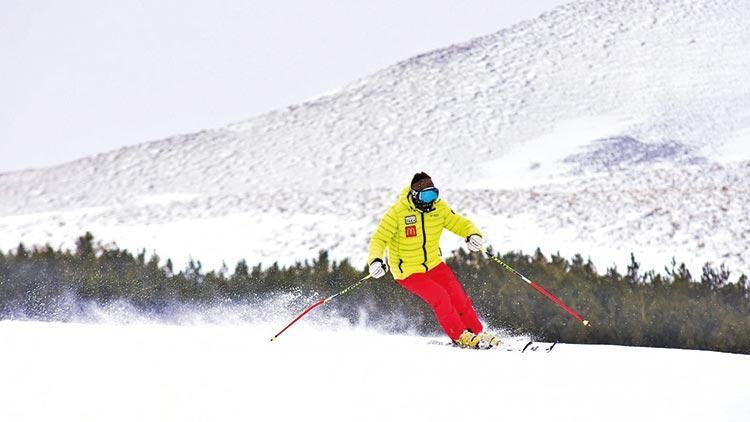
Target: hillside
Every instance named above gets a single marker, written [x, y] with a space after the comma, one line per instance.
[601, 127]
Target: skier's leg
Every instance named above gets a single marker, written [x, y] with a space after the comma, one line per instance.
[439, 300]
[444, 276]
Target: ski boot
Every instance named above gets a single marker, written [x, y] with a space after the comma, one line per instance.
[483, 340]
[468, 340]
[487, 340]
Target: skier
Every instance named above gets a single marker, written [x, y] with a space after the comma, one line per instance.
[411, 230]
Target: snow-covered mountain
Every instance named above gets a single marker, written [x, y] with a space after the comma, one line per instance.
[601, 127]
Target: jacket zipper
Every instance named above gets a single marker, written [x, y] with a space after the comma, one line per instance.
[424, 244]
[400, 261]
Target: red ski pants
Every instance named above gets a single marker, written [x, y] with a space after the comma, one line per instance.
[442, 291]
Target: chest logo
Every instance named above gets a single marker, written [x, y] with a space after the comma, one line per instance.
[411, 219]
[411, 231]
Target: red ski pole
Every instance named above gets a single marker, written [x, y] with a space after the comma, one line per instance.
[320, 302]
[540, 289]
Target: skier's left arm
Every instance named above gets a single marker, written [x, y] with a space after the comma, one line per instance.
[457, 223]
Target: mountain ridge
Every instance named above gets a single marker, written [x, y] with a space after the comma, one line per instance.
[513, 121]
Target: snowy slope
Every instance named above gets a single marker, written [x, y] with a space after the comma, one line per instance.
[71, 372]
[601, 127]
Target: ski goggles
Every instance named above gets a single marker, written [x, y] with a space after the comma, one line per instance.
[427, 195]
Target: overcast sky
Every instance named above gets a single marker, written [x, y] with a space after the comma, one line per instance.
[82, 77]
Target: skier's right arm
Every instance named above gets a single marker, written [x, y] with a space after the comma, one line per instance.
[383, 234]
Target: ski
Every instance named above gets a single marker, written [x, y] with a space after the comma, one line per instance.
[530, 346]
[537, 346]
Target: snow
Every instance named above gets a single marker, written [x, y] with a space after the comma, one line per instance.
[601, 128]
[540, 160]
[199, 372]
[165, 199]
[736, 148]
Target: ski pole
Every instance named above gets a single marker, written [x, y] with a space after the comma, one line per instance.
[539, 288]
[321, 302]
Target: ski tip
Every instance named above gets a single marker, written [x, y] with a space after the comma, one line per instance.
[273, 338]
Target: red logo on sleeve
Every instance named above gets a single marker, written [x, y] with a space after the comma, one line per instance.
[411, 231]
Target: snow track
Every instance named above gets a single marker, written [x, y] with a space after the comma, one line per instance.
[73, 372]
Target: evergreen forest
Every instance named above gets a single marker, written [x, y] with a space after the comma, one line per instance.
[673, 308]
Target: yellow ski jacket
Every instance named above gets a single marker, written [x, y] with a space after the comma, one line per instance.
[413, 237]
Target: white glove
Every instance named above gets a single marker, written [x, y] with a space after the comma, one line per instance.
[378, 268]
[475, 243]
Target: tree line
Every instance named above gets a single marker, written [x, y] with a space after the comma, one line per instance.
[670, 309]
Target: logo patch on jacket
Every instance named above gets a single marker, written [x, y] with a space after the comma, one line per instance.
[411, 219]
[411, 231]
